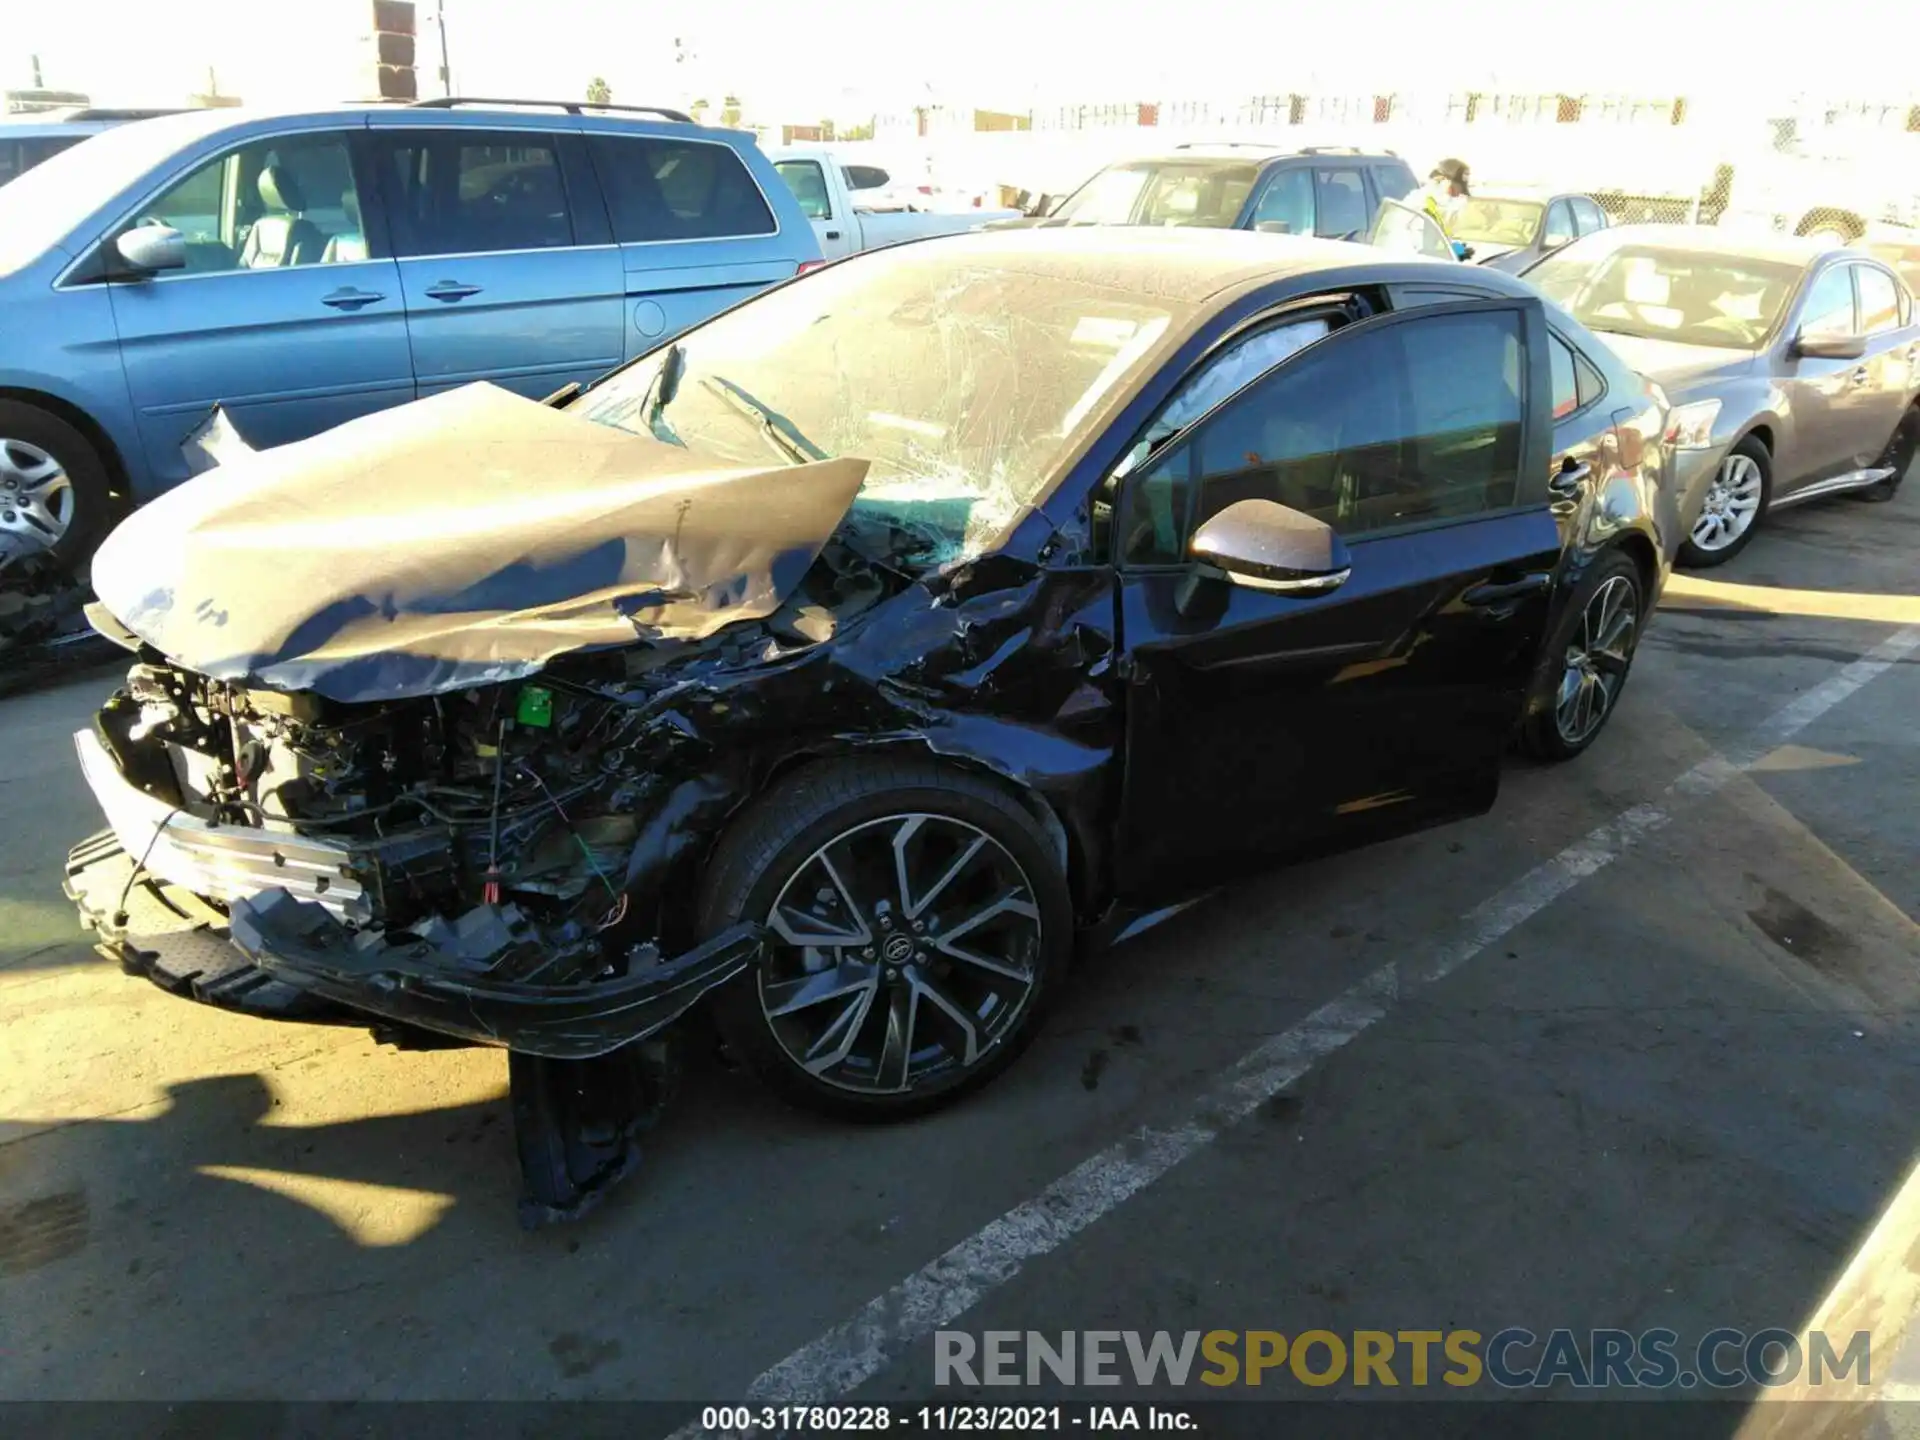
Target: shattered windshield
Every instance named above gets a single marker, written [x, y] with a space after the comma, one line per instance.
[964, 381]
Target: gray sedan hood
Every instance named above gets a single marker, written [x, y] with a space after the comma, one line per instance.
[1678, 366]
[461, 540]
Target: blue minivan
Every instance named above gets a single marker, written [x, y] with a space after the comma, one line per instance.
[302, 269]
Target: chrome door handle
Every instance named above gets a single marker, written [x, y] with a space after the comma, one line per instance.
[449, 290]
[1567, 481]
[1860, 376]
[348, 298]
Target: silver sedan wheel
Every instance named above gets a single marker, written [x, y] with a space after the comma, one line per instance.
[1597, 660]
[1733, 500]
[36, 497]
[910, 948]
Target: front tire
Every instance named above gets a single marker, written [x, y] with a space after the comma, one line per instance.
[1591, 654]
[1733, 507]
[921, 923]
[55, 493]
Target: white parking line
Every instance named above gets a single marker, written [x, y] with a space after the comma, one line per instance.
[858, 1348]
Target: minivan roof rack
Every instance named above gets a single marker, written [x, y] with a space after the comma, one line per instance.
[1226, 145]
[572, 107]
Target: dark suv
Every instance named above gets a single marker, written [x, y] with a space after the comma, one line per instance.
[1330, 191]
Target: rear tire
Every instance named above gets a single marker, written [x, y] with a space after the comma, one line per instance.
[1590, 656]
[882, 863]
[64, 510]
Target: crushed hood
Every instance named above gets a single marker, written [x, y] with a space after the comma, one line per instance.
[460, 540]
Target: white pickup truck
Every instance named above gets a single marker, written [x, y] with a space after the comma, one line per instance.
[839, 199]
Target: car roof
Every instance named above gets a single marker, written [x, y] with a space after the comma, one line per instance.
[1713, 240]
[1189, 264]
[1256, 152]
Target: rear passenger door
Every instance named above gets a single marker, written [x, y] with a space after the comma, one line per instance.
[506, 259]
[694, 229]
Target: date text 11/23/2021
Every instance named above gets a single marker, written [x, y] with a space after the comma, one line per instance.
[767, 1420]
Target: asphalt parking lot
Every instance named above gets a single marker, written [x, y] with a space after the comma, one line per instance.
[1636, 1049]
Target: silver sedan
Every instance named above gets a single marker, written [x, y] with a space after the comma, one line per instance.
[1793, 367]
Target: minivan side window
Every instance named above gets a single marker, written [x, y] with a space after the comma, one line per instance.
[1287, 201]
[466, 192]
[1342, 201]
[662, 189]
[288, 201]
[808, 182]
[1394, 182]
[1412, 421]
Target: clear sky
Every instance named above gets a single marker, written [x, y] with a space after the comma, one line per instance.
[804, 58]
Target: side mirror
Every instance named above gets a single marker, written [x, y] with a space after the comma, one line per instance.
[1267, 546]
[1830, 347]
[151, 248]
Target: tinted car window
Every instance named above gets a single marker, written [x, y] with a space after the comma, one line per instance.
[466, 192]
[1386, 426]
[1566, 379]
[1829, 307]
[275, 203]
[866, 177]
[1559, 224]
[19, 156]
[1879, 300]
[1342, 200]
[1287, 201]
[1394, 182]
[1587, 216]
[808, 182]
[677, 190]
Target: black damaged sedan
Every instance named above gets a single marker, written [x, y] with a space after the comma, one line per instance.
[837, 669]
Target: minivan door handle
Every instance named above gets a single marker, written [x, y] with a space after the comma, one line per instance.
[348, 298]
[450, 290]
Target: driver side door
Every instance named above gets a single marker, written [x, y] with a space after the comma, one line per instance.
[1262, 724]
[292, 338]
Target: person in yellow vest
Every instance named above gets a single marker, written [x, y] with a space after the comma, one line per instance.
[1445, 195]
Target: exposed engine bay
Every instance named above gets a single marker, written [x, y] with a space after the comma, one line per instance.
[483, 866]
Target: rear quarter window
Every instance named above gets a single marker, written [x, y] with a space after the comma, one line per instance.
[663, 189]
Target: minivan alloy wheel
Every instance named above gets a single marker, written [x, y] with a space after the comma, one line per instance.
[1731, 504]
[36, 497]
[1597, 659]
[909, 947]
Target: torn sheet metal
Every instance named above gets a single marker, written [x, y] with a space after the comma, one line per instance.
[436, 983]
[214, 442]
[461, 540]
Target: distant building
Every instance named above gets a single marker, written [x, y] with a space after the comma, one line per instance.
[30, 102]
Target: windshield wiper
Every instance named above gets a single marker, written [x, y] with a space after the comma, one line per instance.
[778, 428]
